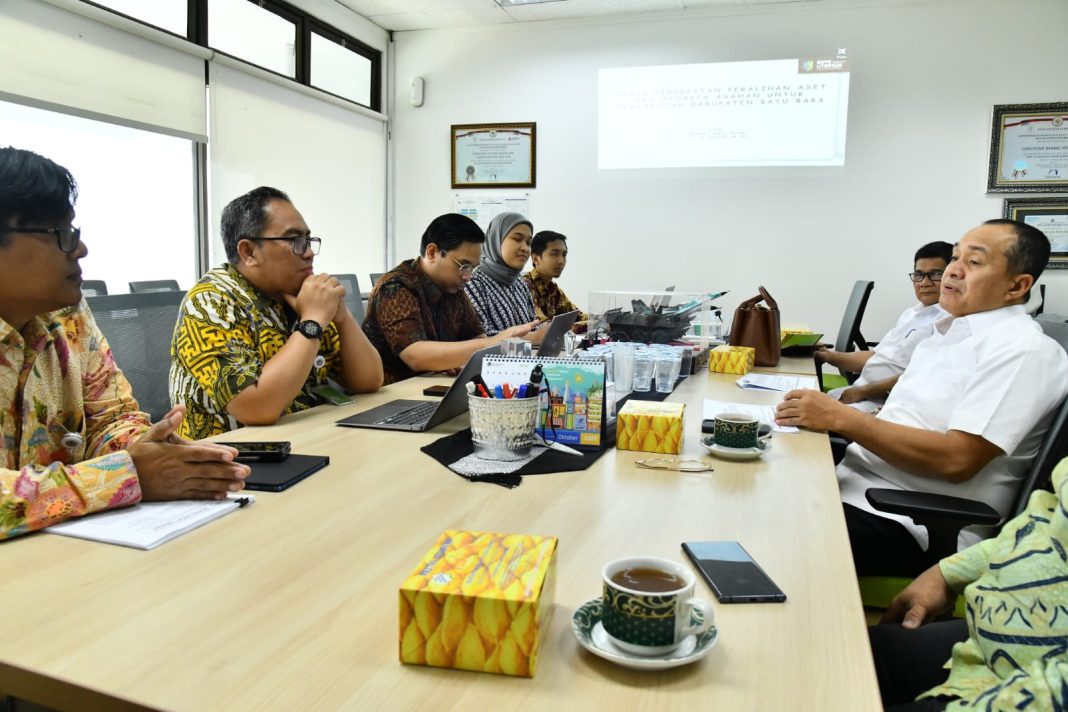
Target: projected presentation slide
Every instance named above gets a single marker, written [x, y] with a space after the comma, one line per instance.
[789, 112]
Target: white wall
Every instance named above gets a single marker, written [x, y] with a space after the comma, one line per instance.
[924, 78]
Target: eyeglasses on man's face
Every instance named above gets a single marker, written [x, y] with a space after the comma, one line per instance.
[299, 244]
[66, 237]
[464, 268]
[918, 276]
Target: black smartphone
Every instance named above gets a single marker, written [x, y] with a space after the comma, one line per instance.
[731, 572]
[274, 451]
[438, 391]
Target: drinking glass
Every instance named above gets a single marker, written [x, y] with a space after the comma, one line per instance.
[664, 371]
[643, 372]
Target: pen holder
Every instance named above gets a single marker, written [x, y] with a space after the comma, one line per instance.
[503, 428]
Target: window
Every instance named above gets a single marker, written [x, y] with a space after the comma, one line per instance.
[337, 68]
[170, 15]
[136, 199]
[260, 35]
[271, 34]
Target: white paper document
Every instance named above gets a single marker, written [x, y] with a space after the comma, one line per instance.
[149, 524]
[763, 413]
[770, 382]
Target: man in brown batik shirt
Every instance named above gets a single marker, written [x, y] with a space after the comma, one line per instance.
[418, 316]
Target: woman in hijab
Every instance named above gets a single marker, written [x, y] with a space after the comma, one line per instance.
[501, 299]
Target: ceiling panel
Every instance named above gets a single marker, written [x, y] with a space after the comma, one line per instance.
[441, 19]
[430, 14]
[587, 8]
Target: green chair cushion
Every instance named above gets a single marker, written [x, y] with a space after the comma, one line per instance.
[832, 381]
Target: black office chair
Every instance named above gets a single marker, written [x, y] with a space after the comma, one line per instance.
[375, 276]
[94, 287]
[154, 285]
[352, 295]
[849, 336]
[945, 516]
[1036, 301]
[139, 328]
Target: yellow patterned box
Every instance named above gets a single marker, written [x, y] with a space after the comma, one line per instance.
[648, 426]
[479, 601]
[731, 359]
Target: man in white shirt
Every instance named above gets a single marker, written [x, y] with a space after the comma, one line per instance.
[880, 367]
[968, 414]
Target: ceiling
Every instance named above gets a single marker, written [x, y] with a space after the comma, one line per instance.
[431, 14]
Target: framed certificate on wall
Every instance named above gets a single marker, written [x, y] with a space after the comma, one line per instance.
[494, 155]
[1050, 215]
[1029, 149]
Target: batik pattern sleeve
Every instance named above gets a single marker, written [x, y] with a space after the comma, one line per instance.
[69, 384]
[215, 345]
[399, 317]
[1017, 611]
[38, 496]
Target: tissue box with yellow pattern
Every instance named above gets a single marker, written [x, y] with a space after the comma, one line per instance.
[479, 601]
[648, 426]
[731, 359]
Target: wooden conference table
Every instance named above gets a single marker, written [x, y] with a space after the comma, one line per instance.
[291, 603]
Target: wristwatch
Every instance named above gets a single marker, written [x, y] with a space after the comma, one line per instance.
[309, 328]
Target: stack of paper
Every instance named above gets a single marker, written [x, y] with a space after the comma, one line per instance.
[770, 382]
[149, 524]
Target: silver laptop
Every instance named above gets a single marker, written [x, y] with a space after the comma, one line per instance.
[553, 342]
[420, 415]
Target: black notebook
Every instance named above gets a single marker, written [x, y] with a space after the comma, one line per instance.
[277, 476]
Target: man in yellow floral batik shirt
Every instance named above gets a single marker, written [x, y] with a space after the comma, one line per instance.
[259, 336]
[74, 440]
[548, 252]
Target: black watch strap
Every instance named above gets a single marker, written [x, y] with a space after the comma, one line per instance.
[310, 329]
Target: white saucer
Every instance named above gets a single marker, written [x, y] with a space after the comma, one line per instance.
[586, 625]
[735, 453]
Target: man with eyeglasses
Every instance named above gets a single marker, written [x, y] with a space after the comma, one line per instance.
[258, 337]
[880, 367]
[418, 316]
[968, 415]
[72, 438]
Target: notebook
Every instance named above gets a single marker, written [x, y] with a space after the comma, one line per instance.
[572, 407]
[420, 415]
[149, 524]
[799, 339]
[277, 476]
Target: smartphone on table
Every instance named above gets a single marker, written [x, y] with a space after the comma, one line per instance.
[273, 451]
[439, 390]
[731, 572]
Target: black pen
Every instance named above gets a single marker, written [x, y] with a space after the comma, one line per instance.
[480, 385]
[536, 376]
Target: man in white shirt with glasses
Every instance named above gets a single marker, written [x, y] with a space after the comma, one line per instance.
[258, 337]
[879, 368]
[969, 413]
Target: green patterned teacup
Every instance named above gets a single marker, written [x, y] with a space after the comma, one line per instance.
[646, 622]
[736, 430]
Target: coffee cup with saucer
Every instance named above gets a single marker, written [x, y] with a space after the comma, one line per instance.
[647, 616]
[737, 436]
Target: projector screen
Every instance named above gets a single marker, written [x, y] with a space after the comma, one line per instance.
[788, 112]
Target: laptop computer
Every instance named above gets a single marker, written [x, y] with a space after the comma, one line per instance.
[420, 415]
[553, 342]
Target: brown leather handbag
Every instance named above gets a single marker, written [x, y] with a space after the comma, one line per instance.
[758, 326]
